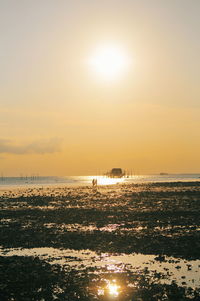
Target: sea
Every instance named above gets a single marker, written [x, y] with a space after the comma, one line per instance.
[40, 181]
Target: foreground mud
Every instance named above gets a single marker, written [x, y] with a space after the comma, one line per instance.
[160, 219]
[29, 278]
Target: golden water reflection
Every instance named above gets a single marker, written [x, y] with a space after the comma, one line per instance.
[111, 288]
[102, 180]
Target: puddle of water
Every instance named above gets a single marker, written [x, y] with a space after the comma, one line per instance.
[185, 273]
[75, 227]
[92, 227]
[5, 220]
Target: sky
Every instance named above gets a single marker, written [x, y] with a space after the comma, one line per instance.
[60, 117]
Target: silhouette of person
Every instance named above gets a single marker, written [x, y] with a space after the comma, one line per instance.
[94, 183]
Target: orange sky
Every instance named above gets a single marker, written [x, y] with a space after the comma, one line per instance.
[57, 117]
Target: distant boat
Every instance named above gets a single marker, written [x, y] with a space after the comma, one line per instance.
[115, 173]
[163, 173]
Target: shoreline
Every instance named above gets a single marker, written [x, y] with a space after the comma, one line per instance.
[89, 185]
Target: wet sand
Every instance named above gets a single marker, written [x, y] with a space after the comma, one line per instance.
[62, 243]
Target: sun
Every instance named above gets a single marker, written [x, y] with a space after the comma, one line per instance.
[109, 61]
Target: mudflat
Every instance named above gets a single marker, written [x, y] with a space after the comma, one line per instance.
[121, 242]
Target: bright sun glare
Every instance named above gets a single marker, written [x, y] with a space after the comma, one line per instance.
[109, 61]
[113, 289]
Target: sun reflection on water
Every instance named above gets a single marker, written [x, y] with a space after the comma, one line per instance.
[113, 289]
[102, 180]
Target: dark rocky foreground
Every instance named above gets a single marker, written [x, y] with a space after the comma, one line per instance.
[160, 218]
[28, 278]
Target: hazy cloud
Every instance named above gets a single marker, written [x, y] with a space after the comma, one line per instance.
[36, 147]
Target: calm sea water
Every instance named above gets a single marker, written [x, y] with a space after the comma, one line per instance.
[87, 180]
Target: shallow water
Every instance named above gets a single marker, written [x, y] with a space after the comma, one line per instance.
[185, 273]
[35, 181]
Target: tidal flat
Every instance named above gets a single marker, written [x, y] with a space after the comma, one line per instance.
[118, 242]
